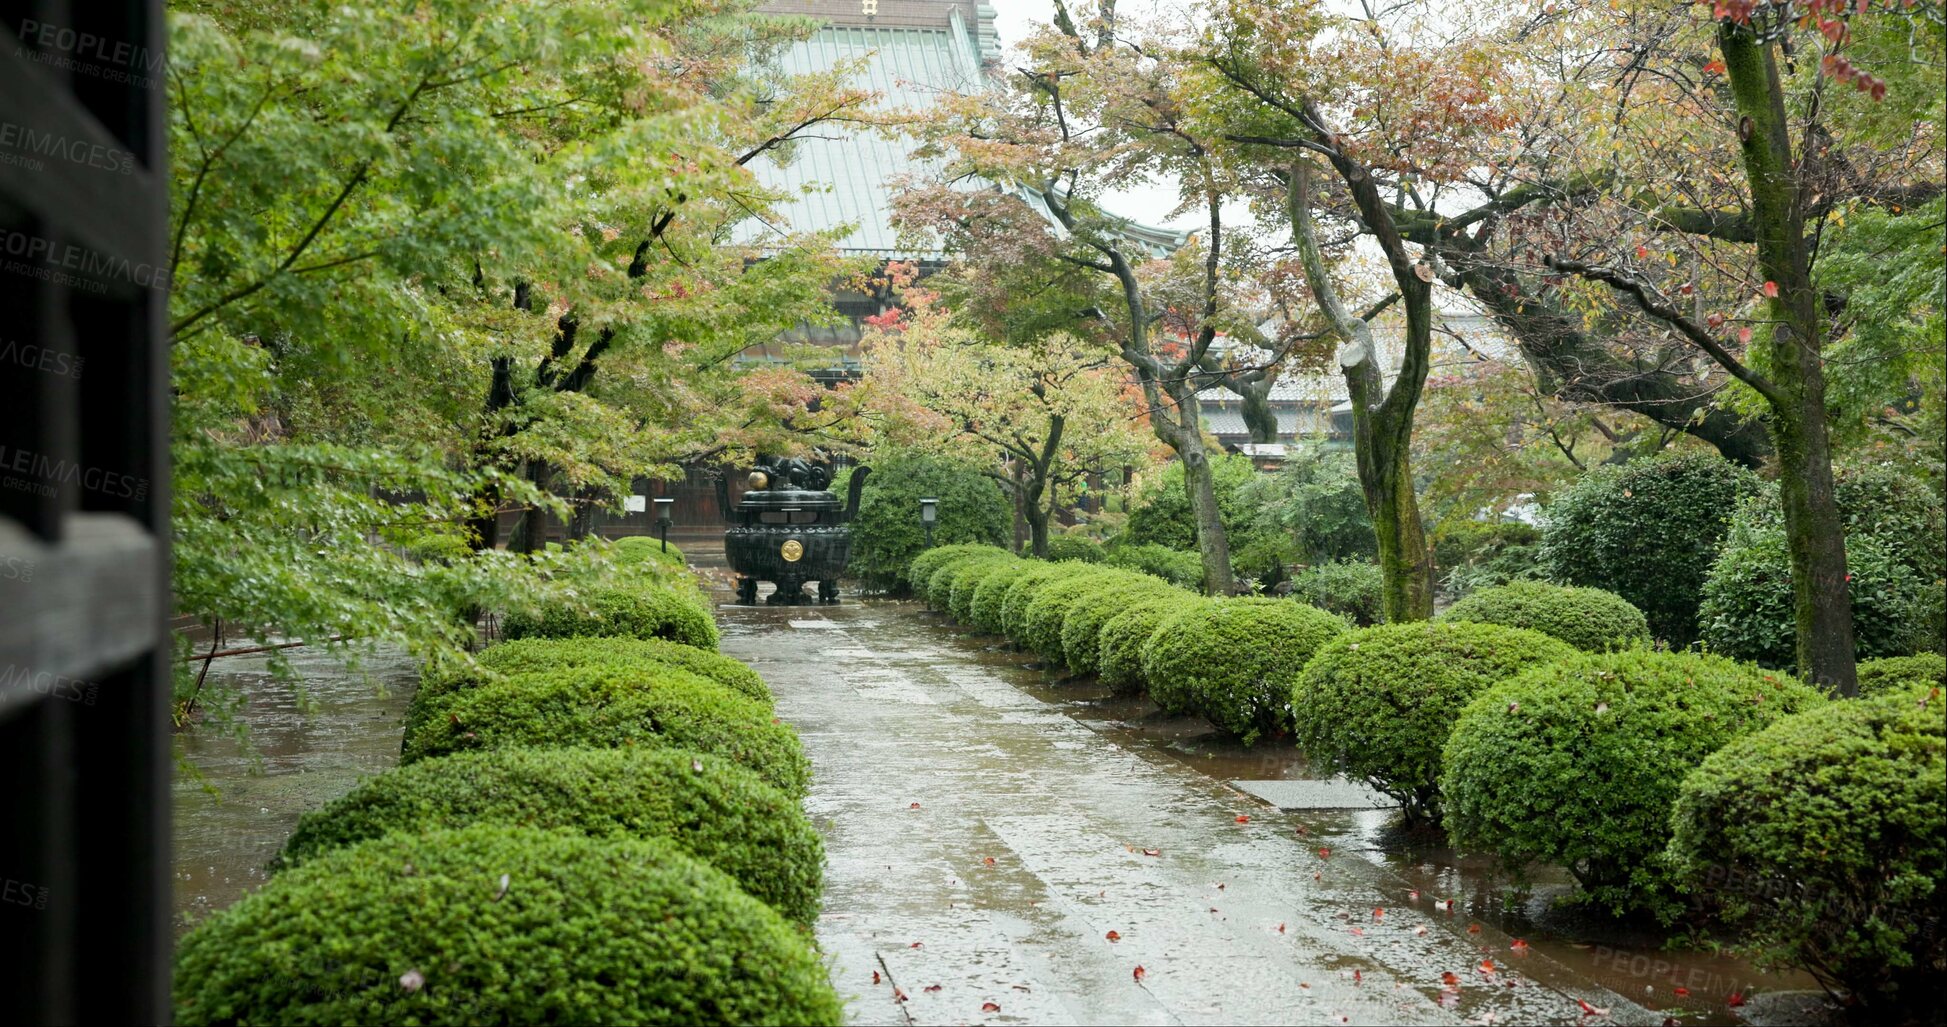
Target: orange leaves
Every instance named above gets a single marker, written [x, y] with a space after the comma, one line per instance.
[1450, 979]
[1140, 973]
[1487, 967]
[1113, 936]
[989, 861]
[1324, 853]
[990, 1007]
[1243, 819]
[1715, 67]
[1771, 290]
[876, 979]
[1518, 947]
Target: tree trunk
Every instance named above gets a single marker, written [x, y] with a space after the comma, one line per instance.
[1815, 533]
[530, 532]
[1200, 482]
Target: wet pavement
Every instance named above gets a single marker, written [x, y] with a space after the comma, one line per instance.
[1007, 847]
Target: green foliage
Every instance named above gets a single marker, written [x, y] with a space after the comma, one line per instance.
[1021, 591]
[627, 612]
[495, 924]
[919, 573]
[1477, 554]
[1896, 553]
[1081, 626]
[1076, 547]
[939, 585]
[1377, 704]
[1313, 506]
[1647, 531]
[1233, 661]
[1825, 834]
[1577, 762]
[1586, 618]
[1349, 588]
[1181, 568]
[1899, 672]
[1041, 621]
[1160, 512]
[887, 535]
[631, 550]
[606, 705]
[1119, 644]
[714, 810]
[963, 604]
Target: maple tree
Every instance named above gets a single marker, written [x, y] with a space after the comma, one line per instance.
[1041, 414]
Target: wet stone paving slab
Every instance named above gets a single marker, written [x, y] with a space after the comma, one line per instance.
[993, 858]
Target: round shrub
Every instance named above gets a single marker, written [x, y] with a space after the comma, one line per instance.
[1042, 619]
[1577, 762]
[919, 573]
[1895, 556]
[1233, 660]
[1509, 545]
[1377, 704]
[1022, 590]
[887, 535]
[1181, 568]
[541, 654]
[646, 612]
[1081, 626]
[492, 924]
[1350, 588]
[605, 705]
[937, 586]
[966, 587]
[1586, 618]
[1119, 645]
[1076, 547]
[1826, 835]
[1647, 531]
[714, 810]
[1900, 672]
[638, 549]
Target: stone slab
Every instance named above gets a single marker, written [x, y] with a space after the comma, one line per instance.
[1336, 793]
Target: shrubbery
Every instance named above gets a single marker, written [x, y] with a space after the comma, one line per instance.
[1377, 704]
[1159, 512]
[1233, 661]
[1647, 531]
[1022, 591]
[1081, 626]
[979, 606]
[942, 583]
[1825, 832]
[715, 810]
[919, 573]
[1119, 645]
[609, 705]
[1351, 588]
[630, 612]
[1076, 547]
[637, 549]
[1178, 567]
[492, 924]
[1577, 762]
[1586, 618]
[887, 534]
[1899, 672]
[1041, 621]
[1895, 554]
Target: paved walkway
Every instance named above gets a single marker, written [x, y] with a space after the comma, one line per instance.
[993, 859]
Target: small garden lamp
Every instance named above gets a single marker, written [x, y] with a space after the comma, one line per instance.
[929, 512]
[663, 505]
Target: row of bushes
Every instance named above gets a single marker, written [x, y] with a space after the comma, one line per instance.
[1532, 721]
[598, 821]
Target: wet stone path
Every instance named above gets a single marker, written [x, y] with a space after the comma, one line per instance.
[995, 859]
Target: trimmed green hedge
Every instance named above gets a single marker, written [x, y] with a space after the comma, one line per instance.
[982, 602]
[1586, 618]
[1081, 626]
[1577, 762]
[1825, 833]
[638, 612]
[1377, 704]
[1182, 568]
[1022, 590]
[1898, 672]
[493, 924]
[938, 585]
[1119, 645]
[1076, 547]
[607, 705]
[1042, 619]
[1233, 661]
[919, 573]
[967, 590]
[1647, 530]
[715, 810]
[635, 549]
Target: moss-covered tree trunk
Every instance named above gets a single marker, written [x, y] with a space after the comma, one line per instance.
[1814, 531]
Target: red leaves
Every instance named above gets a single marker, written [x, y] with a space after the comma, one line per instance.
[1487, 967]
[1140, 973]
[1642, 253]
[1152, 852]
[1113, 936]
[1450, 979]
[1473, 928]
[1243, 819]
[1744, 335]
[1771, 289]
[989, 861]
[913, 806]
[876, 978]
[1682, 992]
[932, 988]
[990, 1007]
[1324, 853]
[917, 944]
[1589, 1010]
[1379, 913]
[1358, 978]
[1714, 68]
[1359, 932]
[1414, 895]
[897, 995]
[1281, 927]
[1518, 947]
[1736, 999]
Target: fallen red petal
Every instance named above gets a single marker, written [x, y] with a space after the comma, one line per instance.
[990, 1007]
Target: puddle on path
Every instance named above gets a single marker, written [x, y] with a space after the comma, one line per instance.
[236, 799]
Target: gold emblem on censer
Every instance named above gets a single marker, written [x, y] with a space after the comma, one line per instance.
[792, 550]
